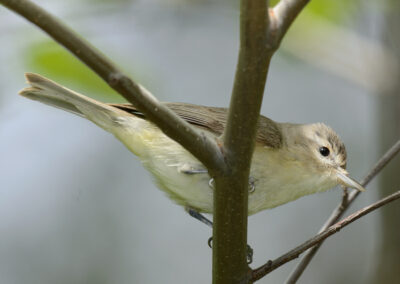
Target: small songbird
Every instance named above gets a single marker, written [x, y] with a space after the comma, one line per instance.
[289, 160]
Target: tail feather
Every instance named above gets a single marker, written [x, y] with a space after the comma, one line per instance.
[51, 93]
[37, 95]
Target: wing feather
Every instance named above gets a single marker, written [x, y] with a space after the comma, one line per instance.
[214, 119]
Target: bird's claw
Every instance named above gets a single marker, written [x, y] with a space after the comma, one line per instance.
[250, 251]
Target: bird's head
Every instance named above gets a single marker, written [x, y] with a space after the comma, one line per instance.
[320, 151]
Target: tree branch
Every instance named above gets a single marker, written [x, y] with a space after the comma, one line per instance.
[271, 265]
[202, 147]
[231, 194]
[341, 208]
[258, 42]
[282, 17]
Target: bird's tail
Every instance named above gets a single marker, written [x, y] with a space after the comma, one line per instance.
[51, 93]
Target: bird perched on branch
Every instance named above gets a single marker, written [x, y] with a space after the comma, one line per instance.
[289, 160]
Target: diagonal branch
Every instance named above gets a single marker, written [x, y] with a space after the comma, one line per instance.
[272, 265]
[202, 147]
[283, 15]
[341, 208]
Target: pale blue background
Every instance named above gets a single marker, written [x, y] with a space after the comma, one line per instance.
[77, 207]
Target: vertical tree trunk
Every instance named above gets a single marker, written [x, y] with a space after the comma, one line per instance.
[388, 257]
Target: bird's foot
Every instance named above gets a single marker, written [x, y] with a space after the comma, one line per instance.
[252, 184]
[197, 215]
[250, 251]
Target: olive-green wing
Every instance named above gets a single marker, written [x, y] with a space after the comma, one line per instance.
[214, 119]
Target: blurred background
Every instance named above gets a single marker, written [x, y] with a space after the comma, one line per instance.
[77, 207]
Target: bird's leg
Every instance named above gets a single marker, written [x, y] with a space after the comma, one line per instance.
[193, 171]
[190, 170]
[197, 215]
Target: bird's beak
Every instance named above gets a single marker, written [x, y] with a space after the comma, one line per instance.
[344, 179]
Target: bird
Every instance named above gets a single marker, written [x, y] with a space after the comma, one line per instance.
[290, 160]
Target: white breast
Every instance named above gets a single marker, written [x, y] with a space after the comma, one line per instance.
[277, 181]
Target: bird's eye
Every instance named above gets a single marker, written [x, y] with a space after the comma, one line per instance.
[324, 151]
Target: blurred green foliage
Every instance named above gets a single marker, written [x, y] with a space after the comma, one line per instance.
[51, 60]
[334, 10]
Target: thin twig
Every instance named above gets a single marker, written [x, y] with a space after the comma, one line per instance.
[341, 208]
[201, 146]
[271, 265]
